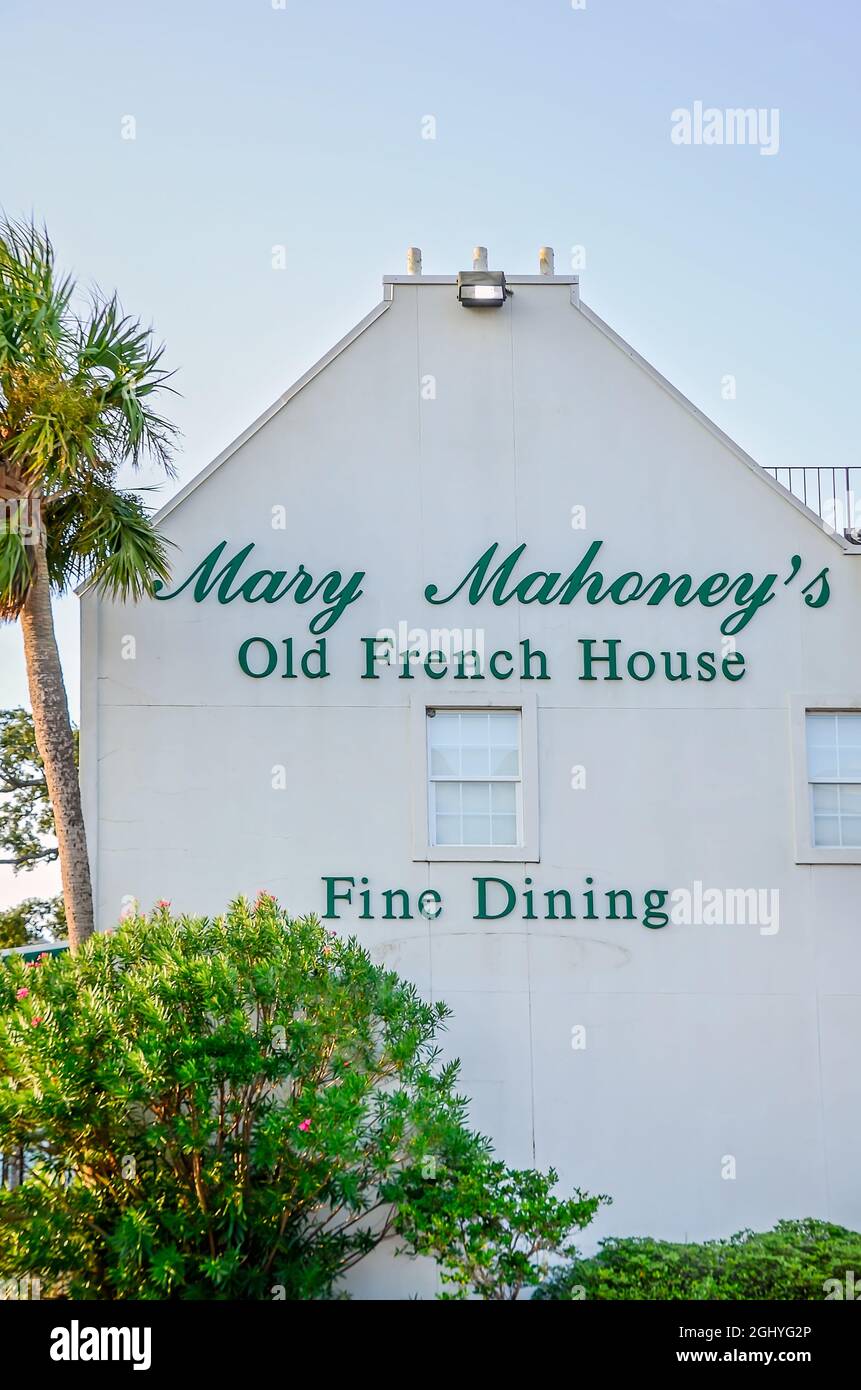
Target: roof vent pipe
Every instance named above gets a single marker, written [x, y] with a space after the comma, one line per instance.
[414, 260]
[545, 260]
[479, 258]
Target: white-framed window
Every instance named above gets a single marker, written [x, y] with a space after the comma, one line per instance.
[834, 778]
[826, 775]
[475, 777]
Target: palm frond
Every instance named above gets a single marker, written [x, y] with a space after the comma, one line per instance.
[78, 399]
[15, 571]
[33, 302]
[115, 352]
[109, 538]
[77, 394]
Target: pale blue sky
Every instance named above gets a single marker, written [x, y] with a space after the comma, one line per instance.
[301, 126]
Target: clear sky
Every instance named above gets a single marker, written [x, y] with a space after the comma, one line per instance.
[261, 125]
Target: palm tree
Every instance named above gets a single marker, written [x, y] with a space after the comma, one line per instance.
[76, 394]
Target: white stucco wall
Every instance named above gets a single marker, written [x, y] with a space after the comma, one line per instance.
[701, 1041]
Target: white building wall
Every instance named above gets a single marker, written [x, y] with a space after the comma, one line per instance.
[702, 1041]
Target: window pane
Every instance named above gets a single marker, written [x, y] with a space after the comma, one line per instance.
[850, 762]
[505, 730]
[503, 797]
[448, 797]
[476, 830]
[475, 762]
[448, 830]
[504, 830]
[823, 762]
[822, 756]
[504, 762]
[444, 728]
[445, 762]
[825, 799]
[834, 746]
[476, 796]
[474, 730]
[822, 729]
[850, 827]
[826, 830]
[850, 800]
[848, 728]
[849, 744]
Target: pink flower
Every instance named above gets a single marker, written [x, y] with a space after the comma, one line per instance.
[305, 1126]
[163, 902]
[35, 1021]
[21, 993]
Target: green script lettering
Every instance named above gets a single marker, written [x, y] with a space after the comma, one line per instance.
[498, 579]
[269, 586]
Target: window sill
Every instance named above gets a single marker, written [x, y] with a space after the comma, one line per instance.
[822, 854]
[476, 854]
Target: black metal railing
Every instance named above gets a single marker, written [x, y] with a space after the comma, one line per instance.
[833, 493]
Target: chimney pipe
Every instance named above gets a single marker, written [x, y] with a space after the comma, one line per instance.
[545, 260]
[479, 258]
[414, 260]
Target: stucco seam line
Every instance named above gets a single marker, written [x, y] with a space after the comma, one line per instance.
[644, 709]
[646, 993]
[267, 415]
[599, 709]
[420, 435]
[818, 1000]
[713, 429]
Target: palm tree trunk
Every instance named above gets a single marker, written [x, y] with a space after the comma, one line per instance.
[56, 745]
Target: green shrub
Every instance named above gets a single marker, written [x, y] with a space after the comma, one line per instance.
[226, 1109]
[492, 1229]
[791, 1262]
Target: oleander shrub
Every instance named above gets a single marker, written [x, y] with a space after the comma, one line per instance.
[793, 1261]
[240, 1108]
[491, 1231]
